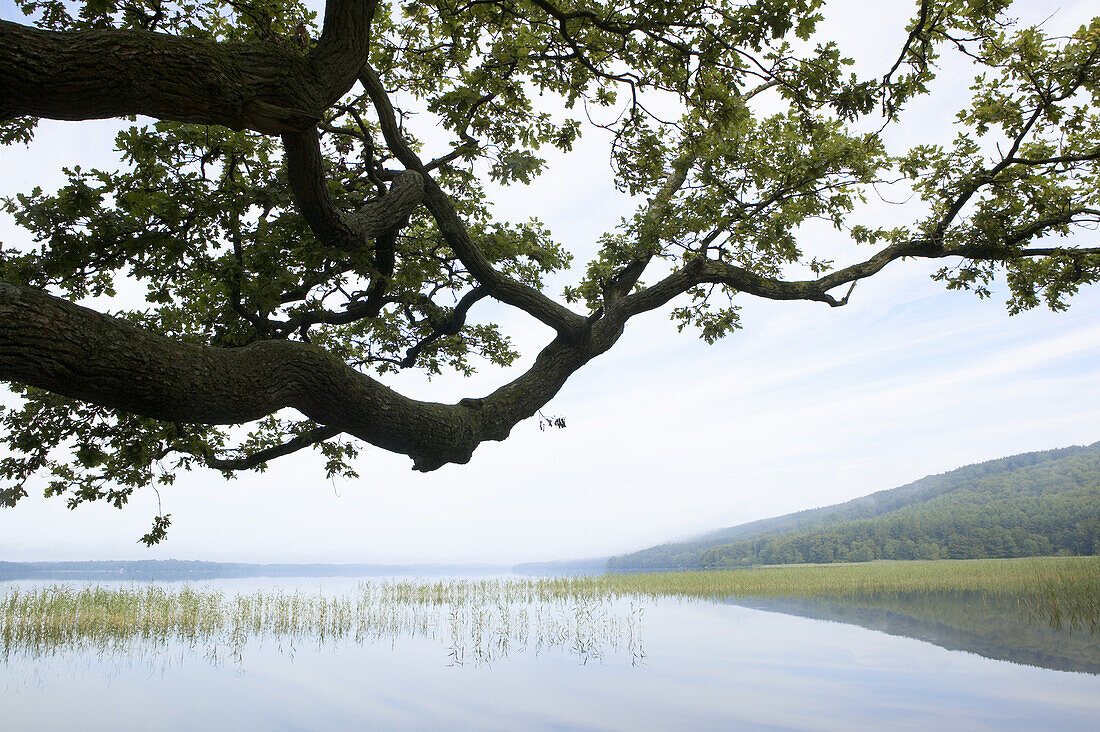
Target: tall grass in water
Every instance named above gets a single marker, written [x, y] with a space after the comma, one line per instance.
[1061, 591]
[994, 576]
[481, 620]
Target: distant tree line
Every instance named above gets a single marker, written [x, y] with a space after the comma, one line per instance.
[1048, 508]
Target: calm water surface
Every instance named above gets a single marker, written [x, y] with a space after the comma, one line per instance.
[657, 664]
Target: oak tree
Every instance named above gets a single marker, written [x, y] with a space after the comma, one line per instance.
[300, 233]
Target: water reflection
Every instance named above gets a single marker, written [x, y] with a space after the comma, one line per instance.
[510, 655]
[476, 622]
[1001, 628]
[480, 622]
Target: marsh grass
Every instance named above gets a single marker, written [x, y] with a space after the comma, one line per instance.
[483, 620]
[480, 621]
[1063, 592]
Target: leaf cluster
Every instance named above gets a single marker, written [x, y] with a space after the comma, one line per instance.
[734, 125]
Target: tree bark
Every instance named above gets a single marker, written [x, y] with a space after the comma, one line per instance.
[49, 343]
[52, 344]
[95, 74]
[334, 227]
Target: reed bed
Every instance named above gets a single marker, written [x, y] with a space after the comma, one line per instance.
[1061, 591]
[479, 621]
[482, 620]
[1076, 577]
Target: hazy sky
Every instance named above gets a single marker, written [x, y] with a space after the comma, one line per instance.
[806, 406]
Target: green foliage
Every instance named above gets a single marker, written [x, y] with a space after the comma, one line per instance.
[1028, 505]
[236, 20]
[1039, 96]
[159, 530]
[734, 124]
[20, 129]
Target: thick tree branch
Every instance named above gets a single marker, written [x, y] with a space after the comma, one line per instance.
[701, 270]
[649, 240]
[94, 74]
[70, 350]
[500, 286]
[329, 223]
[276, 88]
[342, 48]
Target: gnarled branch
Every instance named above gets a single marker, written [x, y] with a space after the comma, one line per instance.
[331, 225]
[70, 350]
[500, 286]
[100, 73]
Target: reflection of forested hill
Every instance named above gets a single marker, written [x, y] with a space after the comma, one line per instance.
[990, 627]
[1025, 505]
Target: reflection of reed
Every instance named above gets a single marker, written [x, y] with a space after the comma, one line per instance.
[1066, 601]
[480, 621]
[1063, 592]
[994, 627]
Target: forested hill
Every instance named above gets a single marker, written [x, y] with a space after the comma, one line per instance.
[1031, 504]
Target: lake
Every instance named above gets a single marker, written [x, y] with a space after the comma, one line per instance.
[335, 654]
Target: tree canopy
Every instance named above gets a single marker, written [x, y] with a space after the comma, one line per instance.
[300, 235]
